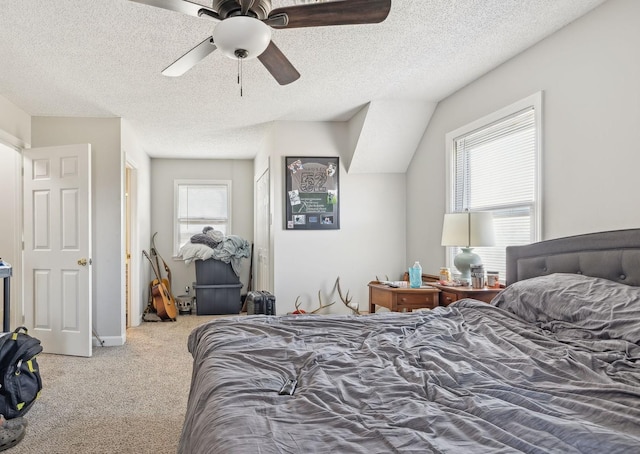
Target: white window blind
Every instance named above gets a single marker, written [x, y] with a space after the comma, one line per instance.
[198, 204]
[494, 168]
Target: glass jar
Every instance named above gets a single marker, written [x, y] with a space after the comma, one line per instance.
[445, 274]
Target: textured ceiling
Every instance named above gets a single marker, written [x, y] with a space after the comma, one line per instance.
[103, 58]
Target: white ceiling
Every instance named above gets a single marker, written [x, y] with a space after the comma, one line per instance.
[103, 58]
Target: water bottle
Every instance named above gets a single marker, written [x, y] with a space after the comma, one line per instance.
[415, 275]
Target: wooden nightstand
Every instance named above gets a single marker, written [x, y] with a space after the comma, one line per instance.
[450, 294]
[399, 299]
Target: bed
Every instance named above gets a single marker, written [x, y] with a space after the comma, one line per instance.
[551, 365]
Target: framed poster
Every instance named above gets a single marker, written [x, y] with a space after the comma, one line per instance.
[311, 193]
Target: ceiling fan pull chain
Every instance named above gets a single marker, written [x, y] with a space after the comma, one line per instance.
[240, 74]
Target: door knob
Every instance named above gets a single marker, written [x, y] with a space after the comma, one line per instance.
[82, 262]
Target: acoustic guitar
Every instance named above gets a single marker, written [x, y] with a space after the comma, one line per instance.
[165, 308]
[165, 280]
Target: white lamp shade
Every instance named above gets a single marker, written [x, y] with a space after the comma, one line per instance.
[468, 229]
[242, 33]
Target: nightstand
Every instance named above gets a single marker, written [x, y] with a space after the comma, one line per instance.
[400, 299]
[450, 294]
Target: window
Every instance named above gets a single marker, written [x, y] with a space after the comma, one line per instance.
[200, 203]
[494, 166]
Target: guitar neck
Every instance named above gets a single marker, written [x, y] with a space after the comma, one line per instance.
[156, 254]
[155, 271]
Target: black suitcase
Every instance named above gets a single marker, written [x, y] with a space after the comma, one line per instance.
[260, 302]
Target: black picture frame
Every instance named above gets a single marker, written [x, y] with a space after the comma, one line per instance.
[312, 200]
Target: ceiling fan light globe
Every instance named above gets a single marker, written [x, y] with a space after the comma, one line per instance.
[242, 33]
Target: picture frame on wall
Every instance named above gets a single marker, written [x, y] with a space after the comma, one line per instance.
[312, 193]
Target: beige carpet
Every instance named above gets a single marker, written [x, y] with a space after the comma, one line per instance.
[128, 399]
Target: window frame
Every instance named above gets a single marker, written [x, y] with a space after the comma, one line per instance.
[533, 101]
[176, 205]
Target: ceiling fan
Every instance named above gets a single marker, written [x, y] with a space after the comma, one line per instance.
[244, 28]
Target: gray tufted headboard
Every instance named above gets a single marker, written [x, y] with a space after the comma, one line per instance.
[613, 255]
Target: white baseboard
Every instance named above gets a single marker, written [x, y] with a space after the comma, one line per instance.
[108, 341]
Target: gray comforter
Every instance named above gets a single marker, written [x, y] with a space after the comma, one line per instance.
[469, 378]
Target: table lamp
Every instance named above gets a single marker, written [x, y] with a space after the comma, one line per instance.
[468, 230]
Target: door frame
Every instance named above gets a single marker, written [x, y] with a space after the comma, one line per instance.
[132, 302]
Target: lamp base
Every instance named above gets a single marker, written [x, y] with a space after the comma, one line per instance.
[463, 262]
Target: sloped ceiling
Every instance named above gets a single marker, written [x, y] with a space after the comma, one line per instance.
[104, 58]
[388, 132]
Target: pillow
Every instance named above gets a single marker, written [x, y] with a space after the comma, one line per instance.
[592, 307]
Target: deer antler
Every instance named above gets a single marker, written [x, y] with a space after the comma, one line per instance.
[346, 300]
[322, 306]
[297, 304]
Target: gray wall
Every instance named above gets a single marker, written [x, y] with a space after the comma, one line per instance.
[15, 124]
[589, 73]
[163, 173]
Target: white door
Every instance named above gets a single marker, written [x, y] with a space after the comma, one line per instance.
[263, 232]
[57, 248]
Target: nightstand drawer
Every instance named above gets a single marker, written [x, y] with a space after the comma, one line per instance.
[382, 298]
[447, 298]
[409, 299]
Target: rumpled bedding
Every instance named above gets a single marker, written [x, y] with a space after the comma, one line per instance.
[209, 237]
[471, 377]
[192, 251]
[214, 244]
[577, 306]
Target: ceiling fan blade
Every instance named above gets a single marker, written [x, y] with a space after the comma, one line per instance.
[344, 12]
[188, 60]
[181, 6]
[278, 65]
